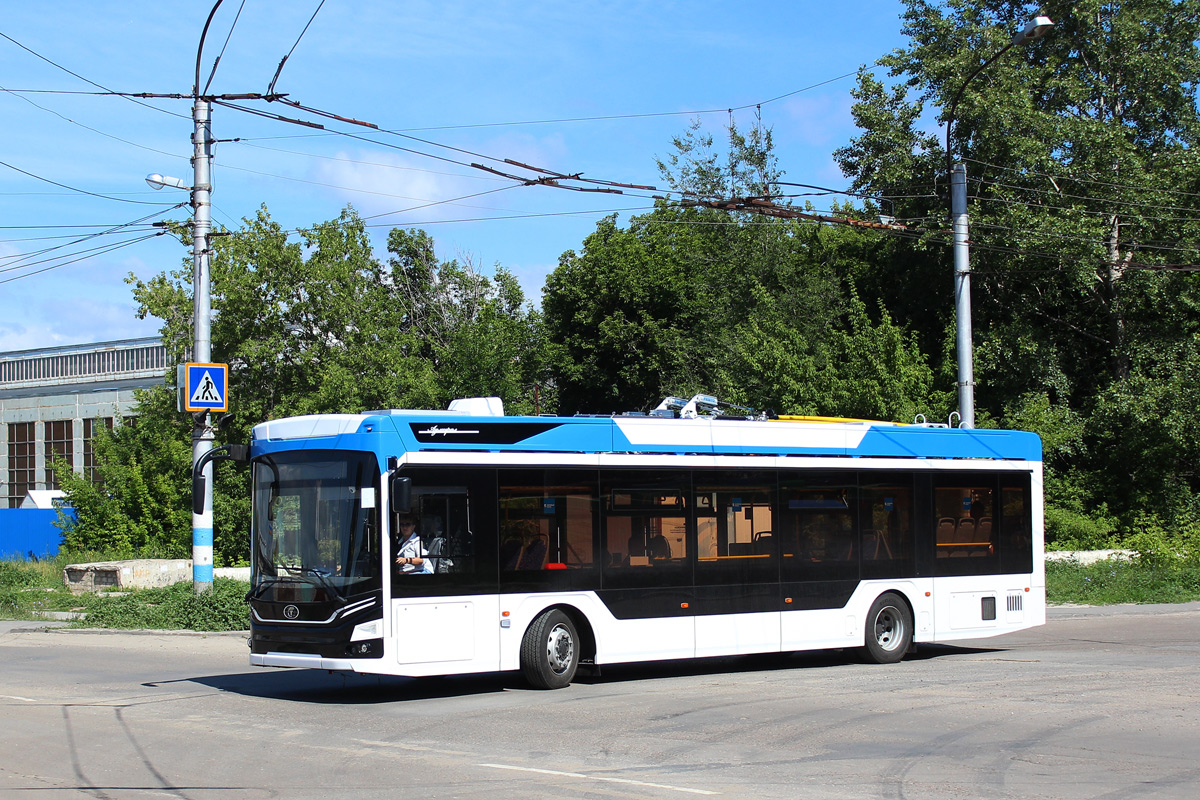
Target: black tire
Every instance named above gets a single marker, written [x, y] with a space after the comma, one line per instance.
[889, 629]
[550, 651]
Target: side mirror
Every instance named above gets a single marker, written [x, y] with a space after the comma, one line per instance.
[236, 452]
[401, 492]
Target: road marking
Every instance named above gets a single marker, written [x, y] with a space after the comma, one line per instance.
[628, 781]
[14, 697]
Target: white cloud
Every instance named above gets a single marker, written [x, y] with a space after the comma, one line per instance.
[379, 182]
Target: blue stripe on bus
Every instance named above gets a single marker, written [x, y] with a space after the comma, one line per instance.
[393, 435]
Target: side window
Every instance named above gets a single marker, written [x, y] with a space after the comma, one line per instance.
[444, 525]
[1016, 525]
[547, 519]
[735, 530]
[886, 515]
[644, 533]
[818, 539]
[965, 517]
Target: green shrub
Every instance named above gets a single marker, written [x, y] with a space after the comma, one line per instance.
[17, 575]
[1067, 529]
[1121, 580]
[174, 607]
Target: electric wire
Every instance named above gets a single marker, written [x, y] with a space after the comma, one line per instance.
[471, 176]
[1078, 179]
[110, 248]
[80, 191]
[213, 73]
[91, 82]
[89, 128]
[271, 86]
[17, 258]
[1112, 200]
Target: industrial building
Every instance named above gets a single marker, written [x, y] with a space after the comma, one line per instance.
[52, 400]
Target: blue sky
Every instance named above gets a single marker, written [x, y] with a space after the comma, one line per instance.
[521, 80]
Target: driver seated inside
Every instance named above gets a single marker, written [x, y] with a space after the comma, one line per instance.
[410, 555]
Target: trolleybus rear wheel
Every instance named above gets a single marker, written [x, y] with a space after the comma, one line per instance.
[550, 650]
[889, 629]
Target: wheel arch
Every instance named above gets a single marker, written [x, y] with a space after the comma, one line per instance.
[583, 627]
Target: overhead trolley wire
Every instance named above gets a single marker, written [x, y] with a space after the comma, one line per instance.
[271, 86]
[91, 82]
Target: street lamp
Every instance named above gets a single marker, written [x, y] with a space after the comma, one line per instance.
[1034, 29]
[157, 181]
[202, 437]
[202, 434]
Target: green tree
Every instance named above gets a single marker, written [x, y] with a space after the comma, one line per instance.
[1080, 150]
[313, 323]
[749, 308]
[140, 505]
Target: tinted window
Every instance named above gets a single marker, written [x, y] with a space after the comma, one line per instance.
[965, 530]
[645, 528]
[818, 538]
[547, 520]
[735, 530]
[886, 518]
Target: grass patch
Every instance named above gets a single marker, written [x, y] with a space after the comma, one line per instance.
[29, 589]
[1122, 581]
[174, 607]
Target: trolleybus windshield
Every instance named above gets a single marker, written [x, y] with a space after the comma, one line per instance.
[315, 526]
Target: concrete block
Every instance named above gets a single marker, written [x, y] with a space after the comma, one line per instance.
[145, 573]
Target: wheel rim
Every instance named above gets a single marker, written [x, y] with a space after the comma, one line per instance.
[560, 649]
[889, 628]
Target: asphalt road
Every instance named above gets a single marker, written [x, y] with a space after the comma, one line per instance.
[1099, 703]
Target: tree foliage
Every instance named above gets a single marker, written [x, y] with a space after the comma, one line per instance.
[1080, 151]
[309, 324]
[753, 309]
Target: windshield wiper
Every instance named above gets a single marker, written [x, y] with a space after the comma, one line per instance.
[306, 574]
[263, 585]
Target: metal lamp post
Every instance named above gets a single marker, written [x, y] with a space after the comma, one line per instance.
[202, 433]
[1034, 29]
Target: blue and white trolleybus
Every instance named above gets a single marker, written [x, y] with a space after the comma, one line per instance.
[551, 543]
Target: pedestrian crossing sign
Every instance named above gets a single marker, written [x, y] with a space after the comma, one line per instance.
[207, 387]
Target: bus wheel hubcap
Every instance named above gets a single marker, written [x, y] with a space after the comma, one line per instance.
[888, 628]
[560, 650]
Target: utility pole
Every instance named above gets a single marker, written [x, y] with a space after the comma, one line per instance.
[1034, 29]
[962, 297]
[202, 433]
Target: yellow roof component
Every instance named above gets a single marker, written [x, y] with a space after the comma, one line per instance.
[793, 418]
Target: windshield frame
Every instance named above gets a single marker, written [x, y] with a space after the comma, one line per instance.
[315, 526]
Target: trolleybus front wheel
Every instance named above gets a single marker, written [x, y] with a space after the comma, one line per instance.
[889, 629]
[550, 651]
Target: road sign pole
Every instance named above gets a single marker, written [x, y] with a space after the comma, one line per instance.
[202, 434]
